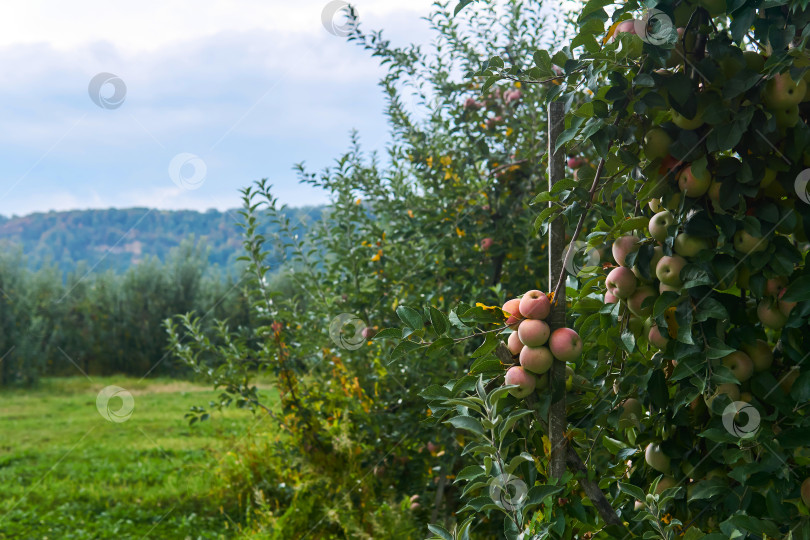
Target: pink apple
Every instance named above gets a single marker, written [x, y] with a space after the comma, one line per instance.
[533, 332]
[525, 381]
[368, 333]
[669, 269]
[538, 360]
[535, 305]
[621, 282]
[512, 95]
[774, 286]
[512, 309]
[513, 343]
[486, 243]
[694, 185]
[610, 298]
[565, 344]
[740, 365]
[663, 287]
[624, 27]
[622, 247]
[634, 303]
[657, 339]
[575, 162]
[785, 307]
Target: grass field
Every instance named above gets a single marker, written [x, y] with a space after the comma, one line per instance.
[67, 472]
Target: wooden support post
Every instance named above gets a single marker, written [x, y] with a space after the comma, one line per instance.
[556, 256]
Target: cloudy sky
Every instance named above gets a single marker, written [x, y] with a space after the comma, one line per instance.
[249, 87]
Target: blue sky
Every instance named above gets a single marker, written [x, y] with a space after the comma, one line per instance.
[249, 86]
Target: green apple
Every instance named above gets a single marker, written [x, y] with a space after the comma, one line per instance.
[754, 61]
[782, 91]
[665, 483]
[656, 144]
[632, 412]
[787, 380]
[656, 458]
[787, 116]
[687, 245]
[747, 243]
[660, 224]
[694, 185]
[740, 365]
[767, 178]
[805, 492]
[668, 270]
[769, 314]
[687, 123]
[760, 353]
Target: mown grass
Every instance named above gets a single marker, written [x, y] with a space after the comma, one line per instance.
[67, 472]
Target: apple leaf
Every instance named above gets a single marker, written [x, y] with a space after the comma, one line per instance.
[410, 316]
[657, 389]
[798, 291]
[467, 423]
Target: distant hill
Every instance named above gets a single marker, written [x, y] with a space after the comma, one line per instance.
[118, 238]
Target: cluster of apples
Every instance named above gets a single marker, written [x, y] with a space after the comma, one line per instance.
[497, 102]
[535, 344]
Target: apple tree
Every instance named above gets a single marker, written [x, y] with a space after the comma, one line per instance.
[685, 279]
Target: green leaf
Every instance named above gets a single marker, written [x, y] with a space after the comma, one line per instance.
[634, 491]
[439, 321]
[439, 345]
[486, 364]
[438, 530]
[657, 388]
[388, 333]
[489, 345]
[467, 423]
[537, 494]
[628, 341]
[410, 316]
[798, 291]
[403, 348]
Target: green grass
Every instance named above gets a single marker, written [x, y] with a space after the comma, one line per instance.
[66, 472]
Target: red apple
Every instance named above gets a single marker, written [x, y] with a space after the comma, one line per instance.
[623, 246]
[533, 332]
[525, 381]
[535, 305]
[486, 243]
[512, 309]
[694, 185]
[621, 282]
[565, 344]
